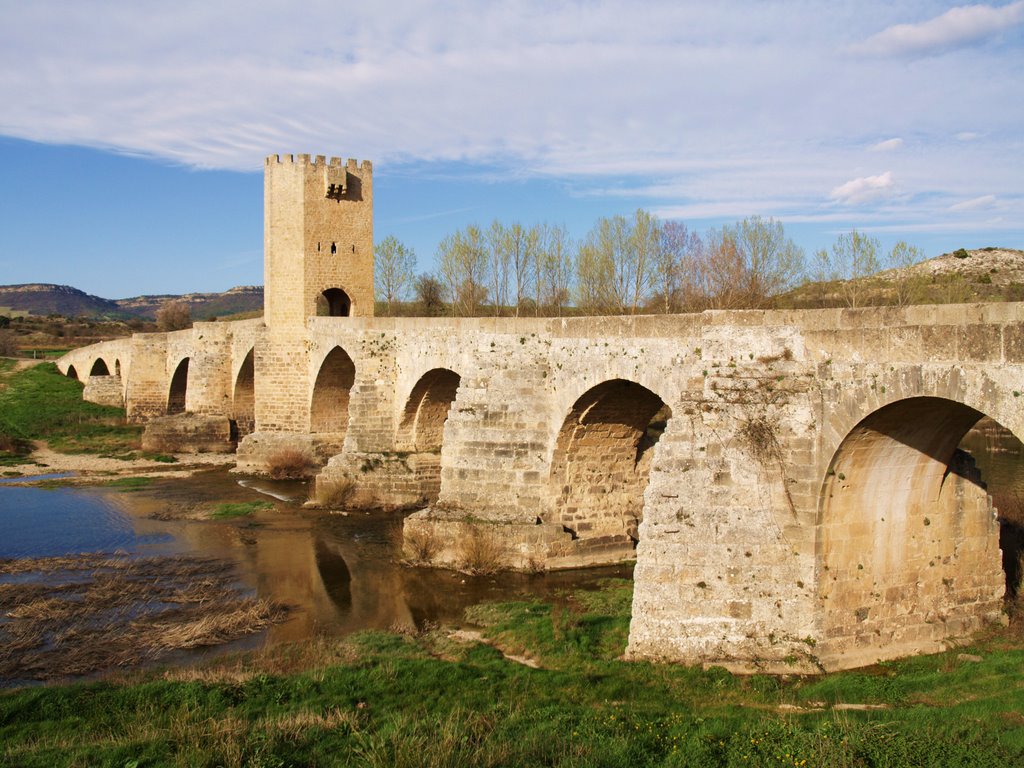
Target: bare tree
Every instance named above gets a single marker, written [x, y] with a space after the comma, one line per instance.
[855, 258]
[394, 270]
[429, 295]
[908, 283]
[497, 242]
[173, 316]
[462, 258]
[522, 247]
[640, 258]
[554, 270]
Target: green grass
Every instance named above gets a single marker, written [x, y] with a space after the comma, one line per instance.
[38, 403]
[382, 699]
[239, 509]
[129, 483]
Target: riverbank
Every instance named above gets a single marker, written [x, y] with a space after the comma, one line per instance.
[427, 699]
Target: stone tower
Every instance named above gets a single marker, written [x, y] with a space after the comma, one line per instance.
[317, 239]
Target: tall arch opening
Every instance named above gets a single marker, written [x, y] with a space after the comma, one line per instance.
[72, 373]
[179, 387]
[243, 407]
[329, 406]
[117, 367]
[426, 410]
[908, 548]
[602, 459]
[99, 368]
[333, 302]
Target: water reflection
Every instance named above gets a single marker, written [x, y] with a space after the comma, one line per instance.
[339, 573]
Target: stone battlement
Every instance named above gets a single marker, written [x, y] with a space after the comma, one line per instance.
[351, 164]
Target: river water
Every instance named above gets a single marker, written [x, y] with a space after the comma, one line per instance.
[338, 573]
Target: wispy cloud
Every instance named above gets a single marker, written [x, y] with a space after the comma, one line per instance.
[956, 28]
[975, 204]
[889, 145]
[864, 189]
[967, 136]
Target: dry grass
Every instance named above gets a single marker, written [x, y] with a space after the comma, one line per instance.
[332, 492]
[72, 616]
[481, 552]
[420, 544]
[288, 464]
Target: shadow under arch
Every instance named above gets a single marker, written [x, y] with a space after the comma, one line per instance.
[602, 458]
[328, 413]
[99, 368]
[72, 373]
[179, 389]
[426, 410]
[333, 302]
[907, 543]
[243, 400]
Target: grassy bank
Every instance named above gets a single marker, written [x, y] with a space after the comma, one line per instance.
[380, 699]
[39, 403]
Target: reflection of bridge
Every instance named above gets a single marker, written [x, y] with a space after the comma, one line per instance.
[792, 478]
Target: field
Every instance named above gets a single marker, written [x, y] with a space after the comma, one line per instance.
[433, 699]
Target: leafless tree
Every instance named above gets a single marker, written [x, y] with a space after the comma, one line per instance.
[173, 316]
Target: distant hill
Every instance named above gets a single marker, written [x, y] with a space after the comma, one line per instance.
[48, 299]
[961, 276]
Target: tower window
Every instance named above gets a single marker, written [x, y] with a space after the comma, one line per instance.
[334, 247]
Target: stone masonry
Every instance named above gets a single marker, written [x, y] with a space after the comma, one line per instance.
[788, 481]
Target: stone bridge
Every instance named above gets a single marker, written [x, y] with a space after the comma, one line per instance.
[788, 482]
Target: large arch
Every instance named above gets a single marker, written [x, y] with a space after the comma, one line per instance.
[329, 404]
[602, 458]
[99, 368]
[426, 410]
[243, 401]
[907, 543]
[178, 389]
[333, 302]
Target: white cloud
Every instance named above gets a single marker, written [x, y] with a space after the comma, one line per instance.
[689, 106]
[864, 189]
[975, 204]
[967, 136]
[886, 146]
[958, 27]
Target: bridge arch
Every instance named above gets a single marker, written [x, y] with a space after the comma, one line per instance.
[72, 373]
[421, 427]
[601, 460]
[176, 395]
[907, 542]
[243, 400]
[117, 367]
[328, 413]
[99, 368]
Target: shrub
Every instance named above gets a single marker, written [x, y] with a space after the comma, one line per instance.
[8, 346]
[961, 253]
[481, 553]
[288, 464]
[421, 544]
[332, 492]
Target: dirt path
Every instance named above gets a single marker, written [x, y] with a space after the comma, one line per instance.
[46, 461]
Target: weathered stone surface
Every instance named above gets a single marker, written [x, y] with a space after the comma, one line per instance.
[188, 433]
[104, 390]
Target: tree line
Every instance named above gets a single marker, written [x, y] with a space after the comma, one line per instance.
[632, 265]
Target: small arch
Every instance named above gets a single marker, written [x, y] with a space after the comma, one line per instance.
[72, 373]
[334, 248]
[117, 367]
[602, 459]
[333, 302]
[907, 543]
[243, 409]
[329, 403]
[426, 410]
[178, 389]
[99, 368]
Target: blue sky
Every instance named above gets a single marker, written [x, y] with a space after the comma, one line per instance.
[133, 135]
